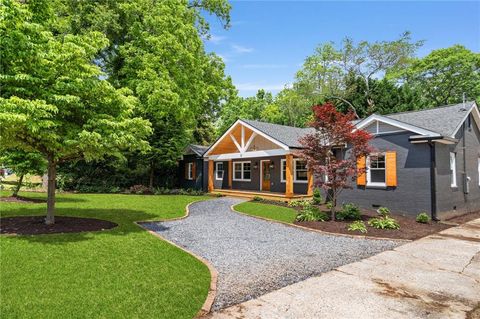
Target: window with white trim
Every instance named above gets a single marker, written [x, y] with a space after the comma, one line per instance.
[242, 171]
[453, 169]
[283, 173]
[190, 171]
[219, 171]
[300, 173]
[376, 170]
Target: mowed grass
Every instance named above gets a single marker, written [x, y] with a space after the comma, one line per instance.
[124, 272]
[283, 214]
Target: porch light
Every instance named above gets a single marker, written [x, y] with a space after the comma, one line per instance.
[272, 165]
[255, 165]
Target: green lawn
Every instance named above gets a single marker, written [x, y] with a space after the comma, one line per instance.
[275, 212]
[124, 272]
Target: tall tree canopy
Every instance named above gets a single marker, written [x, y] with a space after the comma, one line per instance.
[53, 100]
[444, 75]
[156, 49]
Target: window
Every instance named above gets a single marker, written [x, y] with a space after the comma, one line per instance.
[453, 169]
[376, 172]
[283, 173]
[190, 171]
[300, 171]
[241, 171]
[219, 171]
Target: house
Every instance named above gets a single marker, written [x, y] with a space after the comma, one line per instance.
[425, 161]
[192, 171]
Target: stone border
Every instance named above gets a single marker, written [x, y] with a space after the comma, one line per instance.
[212, 290]
[318, 230]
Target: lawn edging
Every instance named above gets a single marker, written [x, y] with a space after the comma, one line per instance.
[212, 290]
[232, 208]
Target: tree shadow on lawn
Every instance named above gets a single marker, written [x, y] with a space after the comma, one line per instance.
[43, 199]
[124, 218]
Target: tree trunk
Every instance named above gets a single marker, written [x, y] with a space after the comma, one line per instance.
[152, 175]
[334, 205]
[52, 176]
[19, 185]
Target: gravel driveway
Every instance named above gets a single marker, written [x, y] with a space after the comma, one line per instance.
[254, 256]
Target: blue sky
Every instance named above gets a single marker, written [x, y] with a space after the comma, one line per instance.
[269, 40]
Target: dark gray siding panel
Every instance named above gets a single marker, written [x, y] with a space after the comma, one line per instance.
[412, 195]
[197, 182]
[453, 201]
[223, 183]
[254, 185]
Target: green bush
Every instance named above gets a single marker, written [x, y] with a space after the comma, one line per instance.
[383, 211]
[257, 199]
[349, 212]
[358, 225]
[330, 205]
[140, 190]
[178, 191]
[317, 196]
[299, 203]
[422, 218]
[311, 214]
[384, 223]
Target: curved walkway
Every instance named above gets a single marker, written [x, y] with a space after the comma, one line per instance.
[253, 256]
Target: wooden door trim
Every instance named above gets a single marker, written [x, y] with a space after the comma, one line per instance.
[261, 173]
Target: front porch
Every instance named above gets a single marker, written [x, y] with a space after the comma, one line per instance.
[261, 194]
[246, 162]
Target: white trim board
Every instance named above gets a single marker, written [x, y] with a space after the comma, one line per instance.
[267, 153]
[408, 127]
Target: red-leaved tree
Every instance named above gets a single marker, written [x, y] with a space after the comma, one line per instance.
[325, 150]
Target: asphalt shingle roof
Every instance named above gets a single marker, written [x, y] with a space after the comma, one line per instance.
[198, 149]
[443, 120]
[287, 135]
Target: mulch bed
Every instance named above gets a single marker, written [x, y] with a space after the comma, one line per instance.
[35, 225]
[409, 228]
[22, 200]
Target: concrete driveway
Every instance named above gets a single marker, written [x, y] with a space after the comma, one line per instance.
[434, 277]
[253, 256]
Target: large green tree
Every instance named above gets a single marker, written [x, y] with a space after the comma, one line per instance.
[156, 49]
[53, 99]
[325, 75]
[444, 75]
[22, 163]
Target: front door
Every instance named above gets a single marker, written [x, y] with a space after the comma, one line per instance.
[265, 175]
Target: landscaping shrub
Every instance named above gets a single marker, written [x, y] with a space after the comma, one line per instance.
[358, 225]
[257, 199]
[317, 196]
[311, 214]
[383, 211]
[422, 218]
[299, 203]
[349, 212]
[178, 191]
[384, 223]
[139, 190]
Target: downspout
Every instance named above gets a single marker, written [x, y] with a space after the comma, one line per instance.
[433, 181]
[465, 176]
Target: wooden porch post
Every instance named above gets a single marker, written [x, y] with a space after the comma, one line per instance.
[230, 173]
[310, 182]
[289, 177]
[210, 175]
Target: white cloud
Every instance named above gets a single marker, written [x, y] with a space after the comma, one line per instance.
[216, 39]
[264, 66]
[241, 49]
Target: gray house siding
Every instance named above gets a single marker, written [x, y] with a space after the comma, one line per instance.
[456, 200]
[198, 181]
[413, 192]
[276, 185]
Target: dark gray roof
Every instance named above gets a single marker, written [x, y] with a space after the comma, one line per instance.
[442, 120]
[287, 135]
[197, 149]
